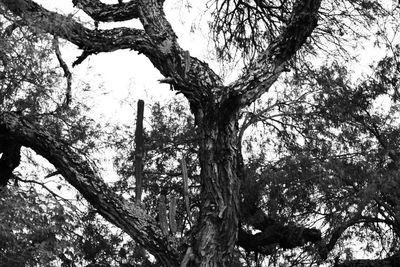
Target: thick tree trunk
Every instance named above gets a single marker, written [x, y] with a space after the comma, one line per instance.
[216, 232]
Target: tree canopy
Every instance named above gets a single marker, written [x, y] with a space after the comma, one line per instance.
[294, 163]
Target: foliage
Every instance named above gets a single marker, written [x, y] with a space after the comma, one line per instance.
[35, 229]
[335, 159]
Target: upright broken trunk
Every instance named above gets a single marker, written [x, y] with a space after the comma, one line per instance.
[217, 228]
[139, 151]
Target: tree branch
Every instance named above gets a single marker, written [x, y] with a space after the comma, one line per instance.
[84, 177]
[270, 64]
[108, 12]
[95, 41]
[157, 42]
[277, 234]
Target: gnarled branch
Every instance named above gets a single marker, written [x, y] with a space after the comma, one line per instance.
[84, 177]
[157, 42]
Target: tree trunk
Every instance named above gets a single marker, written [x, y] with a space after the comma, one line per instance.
[216, 232]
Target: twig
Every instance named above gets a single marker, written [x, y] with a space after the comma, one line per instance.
[67, 73]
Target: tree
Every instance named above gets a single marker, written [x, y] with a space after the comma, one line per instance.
[216, 108]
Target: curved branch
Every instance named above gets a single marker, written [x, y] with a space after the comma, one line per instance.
[270, 64]
[108, 12]
[273, 233]
[337, 232]
[67, 72]
[84, 177]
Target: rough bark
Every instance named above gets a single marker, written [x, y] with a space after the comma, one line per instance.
[218, 224]
[284, 236]
[84, 177]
